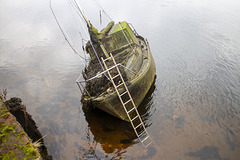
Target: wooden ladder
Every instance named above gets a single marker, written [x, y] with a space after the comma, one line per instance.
[128, 104]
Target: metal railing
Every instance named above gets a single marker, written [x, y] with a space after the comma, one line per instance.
[133, 29]
[81, 82]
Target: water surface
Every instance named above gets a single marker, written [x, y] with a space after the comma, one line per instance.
[192, 110]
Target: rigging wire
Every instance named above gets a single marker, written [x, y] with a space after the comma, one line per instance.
[75, 21]
[78, 30]
[74, 5]
[97, 3]
[79, 12]
[63, 32]
[78, 8]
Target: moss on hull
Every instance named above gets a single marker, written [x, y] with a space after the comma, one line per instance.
[99, 85]
[107, 99]
[138, 88]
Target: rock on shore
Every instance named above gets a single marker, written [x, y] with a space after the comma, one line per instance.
[20, 133]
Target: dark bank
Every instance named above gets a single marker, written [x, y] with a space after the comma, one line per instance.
[13, 110]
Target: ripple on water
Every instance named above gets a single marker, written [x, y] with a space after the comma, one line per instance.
[207, 152]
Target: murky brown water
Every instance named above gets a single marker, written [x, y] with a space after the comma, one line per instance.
[192, 110]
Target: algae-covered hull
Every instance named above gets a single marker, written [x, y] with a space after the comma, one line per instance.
[139, 71]
[138, 89]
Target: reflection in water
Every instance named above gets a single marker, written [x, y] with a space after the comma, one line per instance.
[115, 135]
[194, 110]
[207, 152]
[146, 107]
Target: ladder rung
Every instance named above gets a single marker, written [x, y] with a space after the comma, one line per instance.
[119, 85]
[138, 125]
[127, 102]
[142, 133]
[123, 93]
[134, 118]
[130, 110]
[107, 59]
[148, 144]
[116, 76]
[145, 138]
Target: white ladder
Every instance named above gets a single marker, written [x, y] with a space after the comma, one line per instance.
[128, 104]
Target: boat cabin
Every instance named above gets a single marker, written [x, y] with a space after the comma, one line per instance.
[119, 38]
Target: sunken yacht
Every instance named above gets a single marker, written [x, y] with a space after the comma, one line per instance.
[120, 72]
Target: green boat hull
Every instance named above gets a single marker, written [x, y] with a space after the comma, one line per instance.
[133, 52]
[138, 88]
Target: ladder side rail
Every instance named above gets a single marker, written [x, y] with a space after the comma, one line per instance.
[128, 92]
[115, 87]
[141, 122]
[130, 99]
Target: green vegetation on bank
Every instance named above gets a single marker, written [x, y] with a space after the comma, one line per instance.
[14, 142]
